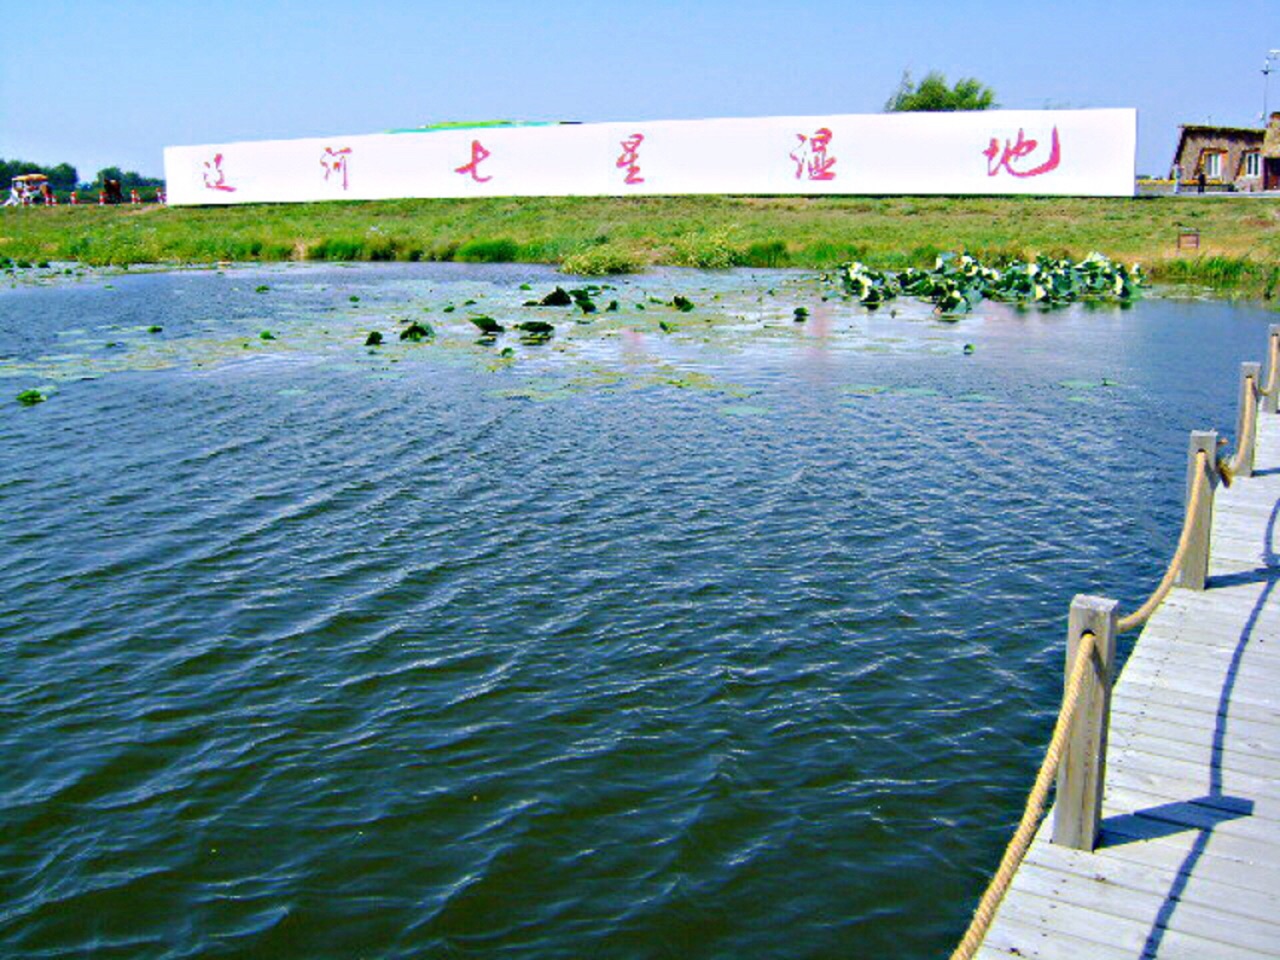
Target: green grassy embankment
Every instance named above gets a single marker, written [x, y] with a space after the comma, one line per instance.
[1239, 237]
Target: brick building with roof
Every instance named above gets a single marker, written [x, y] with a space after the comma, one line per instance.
[1231, 158]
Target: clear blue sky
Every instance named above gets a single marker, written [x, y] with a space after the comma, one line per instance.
[95, 84]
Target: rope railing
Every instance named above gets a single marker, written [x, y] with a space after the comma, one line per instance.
[1204, 471]
[1248, 424]
[1143, 613]
[1032, 812]
[1273, 362]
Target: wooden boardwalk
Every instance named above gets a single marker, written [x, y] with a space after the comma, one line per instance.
[1188, 860]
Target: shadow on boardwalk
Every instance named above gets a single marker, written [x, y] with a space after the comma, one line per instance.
[1216, 807]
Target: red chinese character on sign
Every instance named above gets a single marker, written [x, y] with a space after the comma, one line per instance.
[335, 163]
[1012, 152]
[811, 156]
[630, 159]
[478, 155]
[215, 178]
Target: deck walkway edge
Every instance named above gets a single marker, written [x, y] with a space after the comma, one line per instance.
[1188, 861]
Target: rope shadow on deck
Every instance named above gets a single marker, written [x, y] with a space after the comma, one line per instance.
[1216, 801]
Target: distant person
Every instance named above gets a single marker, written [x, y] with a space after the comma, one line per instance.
[15, 196]
[1200, 181]
[1177, 179]
[134, 197]
[46, 194]
[75, 198]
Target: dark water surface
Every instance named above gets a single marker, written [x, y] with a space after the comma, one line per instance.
[740, 639]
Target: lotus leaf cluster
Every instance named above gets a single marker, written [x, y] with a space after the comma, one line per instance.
[957, 283]
[535, 331]
[581, 298]
[532, 331]
[417, 332]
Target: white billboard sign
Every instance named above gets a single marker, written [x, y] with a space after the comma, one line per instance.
[1039, 152]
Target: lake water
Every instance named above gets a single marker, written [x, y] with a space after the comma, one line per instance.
[690, 635]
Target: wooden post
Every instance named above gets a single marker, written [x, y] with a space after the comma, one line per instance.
[1083, 769]
[1249, 379]
[1271, 404]
[1195, 566]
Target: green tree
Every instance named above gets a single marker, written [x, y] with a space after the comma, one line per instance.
[932, 94]
[61, 177]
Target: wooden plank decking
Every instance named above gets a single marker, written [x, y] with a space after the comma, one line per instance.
[1188, 863]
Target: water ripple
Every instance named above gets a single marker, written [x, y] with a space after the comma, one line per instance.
[310, 659]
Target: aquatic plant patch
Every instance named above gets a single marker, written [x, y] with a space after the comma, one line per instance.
[959, 281]
[363, 319]
[559, 297]
[417, 332]
[601, 260]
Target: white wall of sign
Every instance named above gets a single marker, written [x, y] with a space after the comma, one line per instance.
[1039, 152]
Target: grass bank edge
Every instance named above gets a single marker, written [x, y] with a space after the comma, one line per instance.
[1239, 255]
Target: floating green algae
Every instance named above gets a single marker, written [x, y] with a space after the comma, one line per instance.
[1087, 384]
[626, 336]
[914, 392]
[666, 375]
[535, 394]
